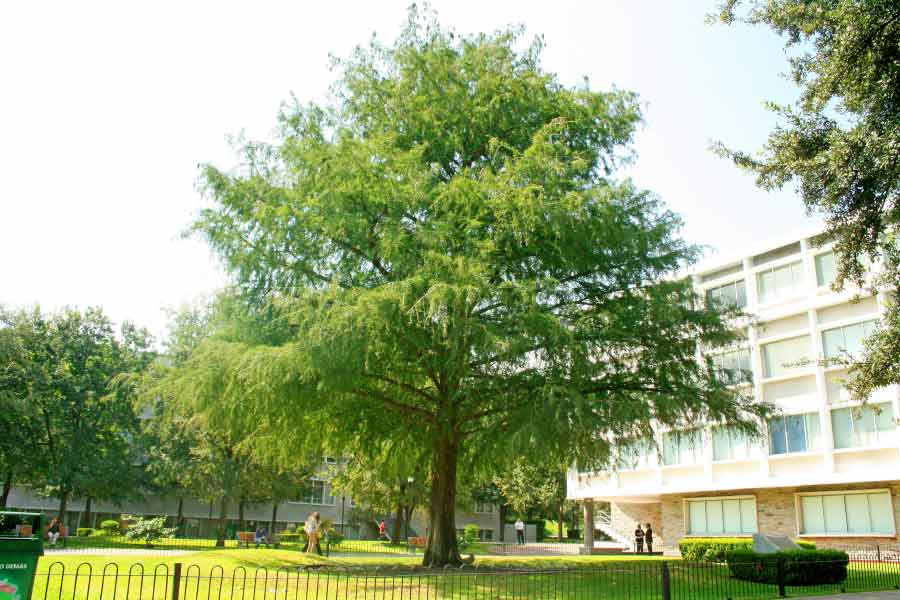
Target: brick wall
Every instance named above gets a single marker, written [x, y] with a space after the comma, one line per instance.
[775, 514]
[624, 516]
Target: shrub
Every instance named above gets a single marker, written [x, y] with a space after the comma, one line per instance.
[110, 527]
[468, 537]
[148, 530]
[716, 549]
[292, 536]
[334, 537]
[84, 532]
[799, 567]
[711, 549]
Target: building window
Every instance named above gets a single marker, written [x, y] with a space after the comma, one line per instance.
[730, 443]
[780, 282]
[734, 367]
[484, 507]
[826, 271]
[794, 433]
[486, 535]
[732, 294]
[721, 516]
[682, 447]
[635, 455]
[862, 426]
[315, 491]
[847, 513]
[848, 339]
[780, 358]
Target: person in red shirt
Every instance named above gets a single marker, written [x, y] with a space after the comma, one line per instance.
[381, 533]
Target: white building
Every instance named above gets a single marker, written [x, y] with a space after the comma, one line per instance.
[825, 471]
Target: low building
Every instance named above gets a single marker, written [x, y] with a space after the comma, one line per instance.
[826, 471]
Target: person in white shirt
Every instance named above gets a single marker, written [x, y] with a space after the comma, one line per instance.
[520, 531]
[312, 528]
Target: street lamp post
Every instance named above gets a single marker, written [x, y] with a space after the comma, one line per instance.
[343, 498]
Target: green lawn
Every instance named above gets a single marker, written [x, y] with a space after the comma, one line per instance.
[113, 542]
[278, 575]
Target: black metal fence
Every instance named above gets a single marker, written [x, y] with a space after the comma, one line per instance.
[633, 580]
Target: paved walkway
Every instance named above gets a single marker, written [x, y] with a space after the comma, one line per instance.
[863, 596]
[115, 551]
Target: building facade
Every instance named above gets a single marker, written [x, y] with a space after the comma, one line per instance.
[825, 469]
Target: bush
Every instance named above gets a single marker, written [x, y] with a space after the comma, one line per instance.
[716, 549]
[109, 527]
[799, 567]
[292, 536]
[148, 530]
[84, 532]
[711, 549]
[468, 537]
[334, 537]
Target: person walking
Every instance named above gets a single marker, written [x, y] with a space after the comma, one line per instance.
[520, 532]
[53, 531]
[638, 539]
[382, 531]
[312, 527]
[648, 538]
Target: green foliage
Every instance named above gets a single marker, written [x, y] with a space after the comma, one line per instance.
[838, 143]
[84, 531]
[799, 567]
[715, 549]
[452, 251]
[110, 527]
[468, 538]
[147, 529]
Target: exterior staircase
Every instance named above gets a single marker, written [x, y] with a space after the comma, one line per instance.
[603, 522]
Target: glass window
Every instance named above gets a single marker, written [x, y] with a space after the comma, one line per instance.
[735, 366]
[732, 294]
[315, 491]
[682, 448]
[848, 339]
[826, 271]
[726, 516]
[780, 282]
[730, 444]
[852, 513]
[636, 455]
[483, 507]
[780, 358]
[865, 426]
[794, 433]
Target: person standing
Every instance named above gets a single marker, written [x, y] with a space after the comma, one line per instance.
[382, 531]
[648, 538]
[53, 531]
[638, 539]
[311, 527]
[520, 532]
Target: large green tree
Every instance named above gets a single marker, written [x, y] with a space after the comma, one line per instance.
[78, 378]
[839, 143]
[461, 268]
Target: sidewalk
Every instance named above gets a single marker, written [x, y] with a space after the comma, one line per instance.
[863, 596]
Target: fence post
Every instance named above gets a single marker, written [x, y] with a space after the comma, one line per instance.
[176, 581]
[878, 552]
[779, 574]
[664, 580]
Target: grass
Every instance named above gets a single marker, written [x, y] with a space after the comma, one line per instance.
[280, 574]
[121, 542]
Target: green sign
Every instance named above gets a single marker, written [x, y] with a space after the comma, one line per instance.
[17, 576]
[21, 545]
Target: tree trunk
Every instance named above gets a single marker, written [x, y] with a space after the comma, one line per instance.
[7, 486]
[241, 526]
[179, 518]
[220, 530]
[398, 523]
[86, 518]
[441, 548]
[502, 510]
[63, 507]
[274, 518]
[559, 522]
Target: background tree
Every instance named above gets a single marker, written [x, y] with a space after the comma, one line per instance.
[453, 250]
[839, 143]
[79, 379]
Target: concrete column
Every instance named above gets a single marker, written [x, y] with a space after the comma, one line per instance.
[824, 408]
[588, 526]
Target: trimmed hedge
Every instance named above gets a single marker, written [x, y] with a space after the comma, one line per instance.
[799, 567]
[84, 532]
[715, 549]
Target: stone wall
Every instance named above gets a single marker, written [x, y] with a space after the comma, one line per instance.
[624, 516]
[775, 514]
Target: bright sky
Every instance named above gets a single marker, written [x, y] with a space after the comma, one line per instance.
[107, 108]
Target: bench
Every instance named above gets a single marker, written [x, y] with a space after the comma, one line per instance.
[246, 538]
[418, 542]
